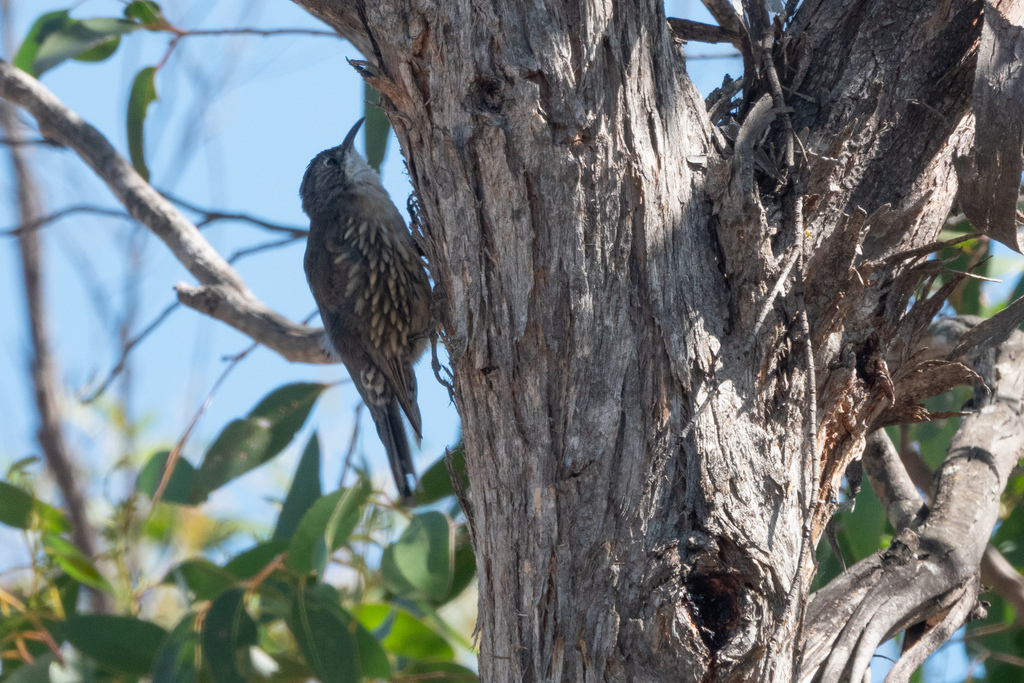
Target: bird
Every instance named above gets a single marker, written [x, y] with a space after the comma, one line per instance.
[368, 278]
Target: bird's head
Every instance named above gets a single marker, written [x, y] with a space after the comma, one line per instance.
[333, 172]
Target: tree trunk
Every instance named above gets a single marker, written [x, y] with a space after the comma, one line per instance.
[674, 323]
[623, 293]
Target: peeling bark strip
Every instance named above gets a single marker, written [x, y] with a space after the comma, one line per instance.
[990, 174]
[619, 280]
[600, 290]
[933, 564]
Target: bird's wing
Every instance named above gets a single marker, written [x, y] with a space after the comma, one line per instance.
[371, 282]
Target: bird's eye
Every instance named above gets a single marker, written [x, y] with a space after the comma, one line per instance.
[330, 161]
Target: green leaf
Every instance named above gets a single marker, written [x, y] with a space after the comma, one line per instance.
[205, 579]
[74, 562]
[247, 444]
[436, 482]
[328, 523]
[239, 448]
[346, 514]
[966, 298]
[285, 409]
[38, 672]
[375, 128]
[228, 631]
[373, 660]
[440, 672]
[142, 95]
[251, 562]
[304, 491]
[1009, 537]
[179, 485]
[423, 557]
[75, 38]
[100, 52]
[147, 13]
[43, 26]
[1018, 292]
[861, 530]
[19, 467]
[321, 628]
[67, 590]
[15, 506]
[176, 658]
[124, 644]
[410, 638]
[21, 511]
[464, 570]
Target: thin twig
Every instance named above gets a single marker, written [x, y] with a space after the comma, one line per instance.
[14, 142]
[264, 246]
[172, 458]
[351, 445]
[685, 29]
[257, 32]
[127, 349]
[37, 223]
[45, 376]
[213, 215]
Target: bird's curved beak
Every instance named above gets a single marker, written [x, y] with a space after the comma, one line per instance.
[350, 138]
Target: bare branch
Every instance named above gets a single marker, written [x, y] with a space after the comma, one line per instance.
[890, 481]
[14, 142]
[213, 215]
[224, 295]
[935, 637]
[997, 572]
[725, 14]
[931, 567]
[39, 222]
[44, 370]
[127, 349]
[143, 202]
[684, 29]
[172, 457]
[258, 32]
[990, 332]
[297, 343]
[265, 246]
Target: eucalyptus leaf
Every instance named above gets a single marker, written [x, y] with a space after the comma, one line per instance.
[304, 491]
[227, 633]
[124, 644]
[178, 486]
[176, 659]
[423, 558]
[248, 443]
[76, 38]
[143, 94]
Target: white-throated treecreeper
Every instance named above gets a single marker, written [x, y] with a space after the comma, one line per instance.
[368, 279]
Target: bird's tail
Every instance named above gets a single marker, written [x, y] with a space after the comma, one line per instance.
[388, 420]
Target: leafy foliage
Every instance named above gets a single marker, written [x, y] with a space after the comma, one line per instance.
[267, 611]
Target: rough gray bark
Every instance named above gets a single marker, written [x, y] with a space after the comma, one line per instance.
[671, 332]
[633, 399]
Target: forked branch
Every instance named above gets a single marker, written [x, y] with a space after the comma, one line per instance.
[222, 293]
